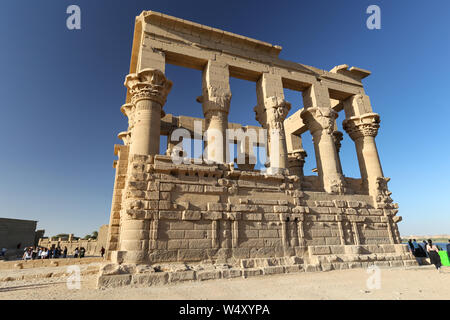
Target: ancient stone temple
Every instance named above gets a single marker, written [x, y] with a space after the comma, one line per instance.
[235, 219]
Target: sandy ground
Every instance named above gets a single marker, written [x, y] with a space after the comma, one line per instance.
[413, 283]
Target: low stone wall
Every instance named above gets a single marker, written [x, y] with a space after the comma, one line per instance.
[318, 258]
[92, 246]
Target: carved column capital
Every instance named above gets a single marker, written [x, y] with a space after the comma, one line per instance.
[362, 126]
[148, 84]
[273, 113]
[125, 136]
[319, 119]
[128, 110]
[215, 104]
[337, 138]
[297, 158]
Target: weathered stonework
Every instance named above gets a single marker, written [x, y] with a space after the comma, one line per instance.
[241, 221]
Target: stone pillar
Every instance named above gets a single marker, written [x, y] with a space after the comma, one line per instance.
[320, 122]
[271, 112]
[356, 238]
[216, 105]
[296, 161]
[173, 145]
[148, 89]
[337, 138]
[245, 158]
[363, 130]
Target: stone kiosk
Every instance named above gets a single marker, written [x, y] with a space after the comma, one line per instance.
[210, 219]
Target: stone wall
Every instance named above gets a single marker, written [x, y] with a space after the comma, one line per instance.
[15, 231]
[92, 246]
[219, 214]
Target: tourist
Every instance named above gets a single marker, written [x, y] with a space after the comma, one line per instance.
[82, 252]
[65, 252]
[28, 255]
[75, 253]
[416, 248]
[3, 252]
[411, 246]
[433, 252]
[44, 253]
[102, 250]
[39, 254]
[425, 248]
[448, 249]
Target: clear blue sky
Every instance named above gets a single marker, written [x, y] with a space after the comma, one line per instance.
[61, 92]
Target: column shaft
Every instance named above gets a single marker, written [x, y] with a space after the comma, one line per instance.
[320, 122]
[363, 130]
[216, 104]
[271, 112]
[149, 89]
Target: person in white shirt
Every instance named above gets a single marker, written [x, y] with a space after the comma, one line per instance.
[27, 255]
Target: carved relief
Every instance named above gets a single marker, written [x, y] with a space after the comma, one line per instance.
[383, 196]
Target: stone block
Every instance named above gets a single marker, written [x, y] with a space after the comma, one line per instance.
[273, 270]
[396, 264]
[191, 215]
[182, 276]
[212, 215]
[320, 250]
[294, 268]
[151, 279]
[231, 273]
[312, 268]
[113, 281]
[246, 273]
[208, 275]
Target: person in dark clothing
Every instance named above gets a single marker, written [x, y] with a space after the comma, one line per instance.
[411, 247]
[102, 251]
[65, 252]
[425, 248]
[433, 252]
[448, 249]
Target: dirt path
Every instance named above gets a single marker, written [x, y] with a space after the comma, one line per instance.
[419, 283]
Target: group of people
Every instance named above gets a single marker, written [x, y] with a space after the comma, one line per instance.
[32, 253]
[428, 250]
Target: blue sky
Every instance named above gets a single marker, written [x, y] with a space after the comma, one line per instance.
[61, 92]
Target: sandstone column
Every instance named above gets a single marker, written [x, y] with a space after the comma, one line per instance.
[320, 122]
[271, 112]
[320, 119]
[216, 105]
[148, 89]
[337, 138]
[363, 130]
[296, 160]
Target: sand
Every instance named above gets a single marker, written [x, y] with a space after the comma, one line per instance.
[398, 284]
